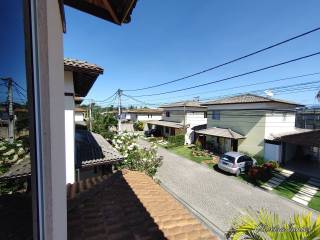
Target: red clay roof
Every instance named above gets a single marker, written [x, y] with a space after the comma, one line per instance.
[128, 205]
[82, 66]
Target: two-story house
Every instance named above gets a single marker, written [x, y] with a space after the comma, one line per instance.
[246, 122]
[181, 118]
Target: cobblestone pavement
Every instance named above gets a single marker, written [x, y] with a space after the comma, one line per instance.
[218, 197]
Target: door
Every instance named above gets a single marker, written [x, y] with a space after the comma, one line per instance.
[234, 144]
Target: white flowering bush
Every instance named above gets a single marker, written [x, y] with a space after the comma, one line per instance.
[137, 159]
[11, 152]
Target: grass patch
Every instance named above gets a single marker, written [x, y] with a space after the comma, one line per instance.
[291, 185]
[186, 152]
[315, 202]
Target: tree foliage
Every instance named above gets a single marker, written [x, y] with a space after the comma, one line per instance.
[103, 121]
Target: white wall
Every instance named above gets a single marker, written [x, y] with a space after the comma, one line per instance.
[148, 117]
[78, 117]
[51, 103]
[69, 127]
[193, 119]
[276, 123]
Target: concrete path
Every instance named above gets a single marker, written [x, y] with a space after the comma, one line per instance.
[218, 197]
[277, 179]
[307, 191]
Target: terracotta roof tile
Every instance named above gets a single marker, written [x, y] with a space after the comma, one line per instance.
[81, 66]
[130, 205]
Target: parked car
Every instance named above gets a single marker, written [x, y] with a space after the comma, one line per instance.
[236, 163]
[152, 133]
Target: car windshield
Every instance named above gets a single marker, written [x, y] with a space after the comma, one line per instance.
[227, 158]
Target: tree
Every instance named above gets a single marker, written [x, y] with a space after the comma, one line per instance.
[103, 123]
[318, 96]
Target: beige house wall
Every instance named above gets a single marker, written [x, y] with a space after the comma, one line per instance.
[250, 124]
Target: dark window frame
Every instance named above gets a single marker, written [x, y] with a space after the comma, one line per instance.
[215, 115]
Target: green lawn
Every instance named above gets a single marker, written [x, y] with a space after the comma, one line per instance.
[291, 186]
[186, 152]
[315, 202]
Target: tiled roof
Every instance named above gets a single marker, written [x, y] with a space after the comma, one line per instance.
[165, 123]
[309, 138]
[81, 66]
[277, 136]
[92, 149]
[247, 98]
[221, 132]
[22, 168]
[143, 110]
[130, 205]
[183, 104]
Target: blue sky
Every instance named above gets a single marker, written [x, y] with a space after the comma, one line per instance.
[12, 58]
[167, 39]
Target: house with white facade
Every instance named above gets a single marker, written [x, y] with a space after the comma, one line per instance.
[246, 123]
[181, 118]
[87, 154]
[142, 114]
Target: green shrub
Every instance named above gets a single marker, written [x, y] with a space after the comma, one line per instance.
[260, 160]
[177, 140]
[268, 225]
[138, 126]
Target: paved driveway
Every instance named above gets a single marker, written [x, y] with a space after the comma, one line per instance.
[218, 197]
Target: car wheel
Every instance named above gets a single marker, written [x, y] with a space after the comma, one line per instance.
[238, 172]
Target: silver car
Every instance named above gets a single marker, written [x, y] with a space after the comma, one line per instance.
[235, 162]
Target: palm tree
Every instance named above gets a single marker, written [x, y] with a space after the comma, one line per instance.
[264, 225]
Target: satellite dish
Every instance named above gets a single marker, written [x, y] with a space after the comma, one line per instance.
[269, 93]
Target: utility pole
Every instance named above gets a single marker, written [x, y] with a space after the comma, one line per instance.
[10, 109]
[119, 111]
[90, 116]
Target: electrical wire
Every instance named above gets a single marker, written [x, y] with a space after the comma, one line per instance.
[232, 77]
[228, 62]
[241, 86]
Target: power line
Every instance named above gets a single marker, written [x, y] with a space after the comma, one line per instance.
[232, 77]
[229, 62]
[245, 85]
[293, 88]
[19, 86]
[104, 100]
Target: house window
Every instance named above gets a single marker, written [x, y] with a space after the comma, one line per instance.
[167, 114]
[166, 130]
[215, 115]
[205, 114]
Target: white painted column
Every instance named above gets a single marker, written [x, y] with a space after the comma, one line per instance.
[69, 119]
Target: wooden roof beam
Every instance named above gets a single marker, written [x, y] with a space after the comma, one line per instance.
[111, 11]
